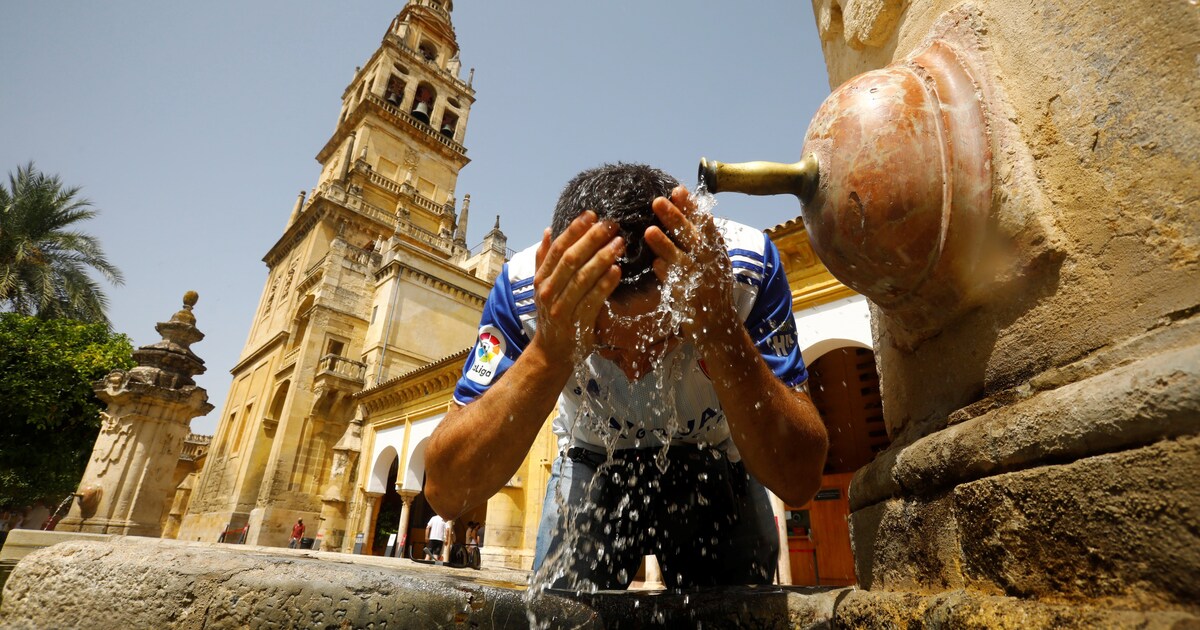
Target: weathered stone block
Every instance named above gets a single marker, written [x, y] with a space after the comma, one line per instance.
[1124, 526]
[963, 610]
[907, 545]
[1121, 528]
[1132, 405]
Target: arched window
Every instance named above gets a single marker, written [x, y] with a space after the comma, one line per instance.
[300, 324]
[423, 102]
[394, 95]
[428, 51]
[275, 411]
[449, 124]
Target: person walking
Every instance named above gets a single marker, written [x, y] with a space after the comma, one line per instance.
[297, 534]
[435, 534]
[473, 557]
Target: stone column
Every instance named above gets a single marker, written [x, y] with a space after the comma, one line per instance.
[332, 522]
[785, 560]
[382, 74]
[373, 499]
[129, 476]
[407, 497]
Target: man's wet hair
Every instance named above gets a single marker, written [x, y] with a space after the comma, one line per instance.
[622, 193]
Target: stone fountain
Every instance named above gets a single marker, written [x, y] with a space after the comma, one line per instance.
[1016, 199]
[149, 408]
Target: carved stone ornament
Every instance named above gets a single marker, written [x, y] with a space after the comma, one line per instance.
[905, 183]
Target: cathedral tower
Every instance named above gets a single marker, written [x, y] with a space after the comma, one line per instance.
[371, 278]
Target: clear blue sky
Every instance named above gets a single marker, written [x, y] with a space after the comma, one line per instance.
[192, 126]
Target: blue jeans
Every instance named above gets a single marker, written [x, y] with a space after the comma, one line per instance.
[708, 521]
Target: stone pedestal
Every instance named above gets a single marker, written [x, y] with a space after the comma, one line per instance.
[129, 477]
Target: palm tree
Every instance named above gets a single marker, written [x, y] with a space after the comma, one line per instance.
[44, 260]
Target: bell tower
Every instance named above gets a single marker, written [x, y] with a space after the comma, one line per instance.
[402, 124]
[371, 278]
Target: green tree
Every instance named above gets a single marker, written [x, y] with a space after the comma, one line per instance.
[44, 259]
[49, 414]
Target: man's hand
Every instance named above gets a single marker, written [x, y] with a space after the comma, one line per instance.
[575, 275]
[778, 433]
[693, 265]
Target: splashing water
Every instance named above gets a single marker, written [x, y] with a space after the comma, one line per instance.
[652, 423]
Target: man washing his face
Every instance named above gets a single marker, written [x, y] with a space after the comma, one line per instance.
[666, 339]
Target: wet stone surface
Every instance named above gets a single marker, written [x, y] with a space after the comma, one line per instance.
[149, 583]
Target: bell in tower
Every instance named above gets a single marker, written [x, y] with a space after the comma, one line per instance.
[421, 112]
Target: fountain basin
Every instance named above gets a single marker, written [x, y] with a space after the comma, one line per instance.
[133, 582]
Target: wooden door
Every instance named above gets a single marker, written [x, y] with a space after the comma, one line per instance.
[828, 512]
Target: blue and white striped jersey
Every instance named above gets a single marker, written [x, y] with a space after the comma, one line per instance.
[600, 408]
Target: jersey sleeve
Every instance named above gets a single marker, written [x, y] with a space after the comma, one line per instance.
[498, 343]
[771, 323]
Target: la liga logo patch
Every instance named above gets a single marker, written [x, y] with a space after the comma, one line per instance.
[489, 350]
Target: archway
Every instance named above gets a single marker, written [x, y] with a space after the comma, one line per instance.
[385, 462]
[844, 386]
[387, 519]
[821, 347]
[420, 511]
[423, 102]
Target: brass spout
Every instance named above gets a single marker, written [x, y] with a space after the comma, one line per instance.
[762, 178]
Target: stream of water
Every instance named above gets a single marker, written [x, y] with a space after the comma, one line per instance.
[650, 420]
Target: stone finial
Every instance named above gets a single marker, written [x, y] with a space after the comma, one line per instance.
[184, 315]
[169, 363]
[460, 233]
[297, 208]
[143, 429]
[496, 240]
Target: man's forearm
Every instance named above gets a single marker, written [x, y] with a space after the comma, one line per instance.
[477, 448]
[778, 432]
